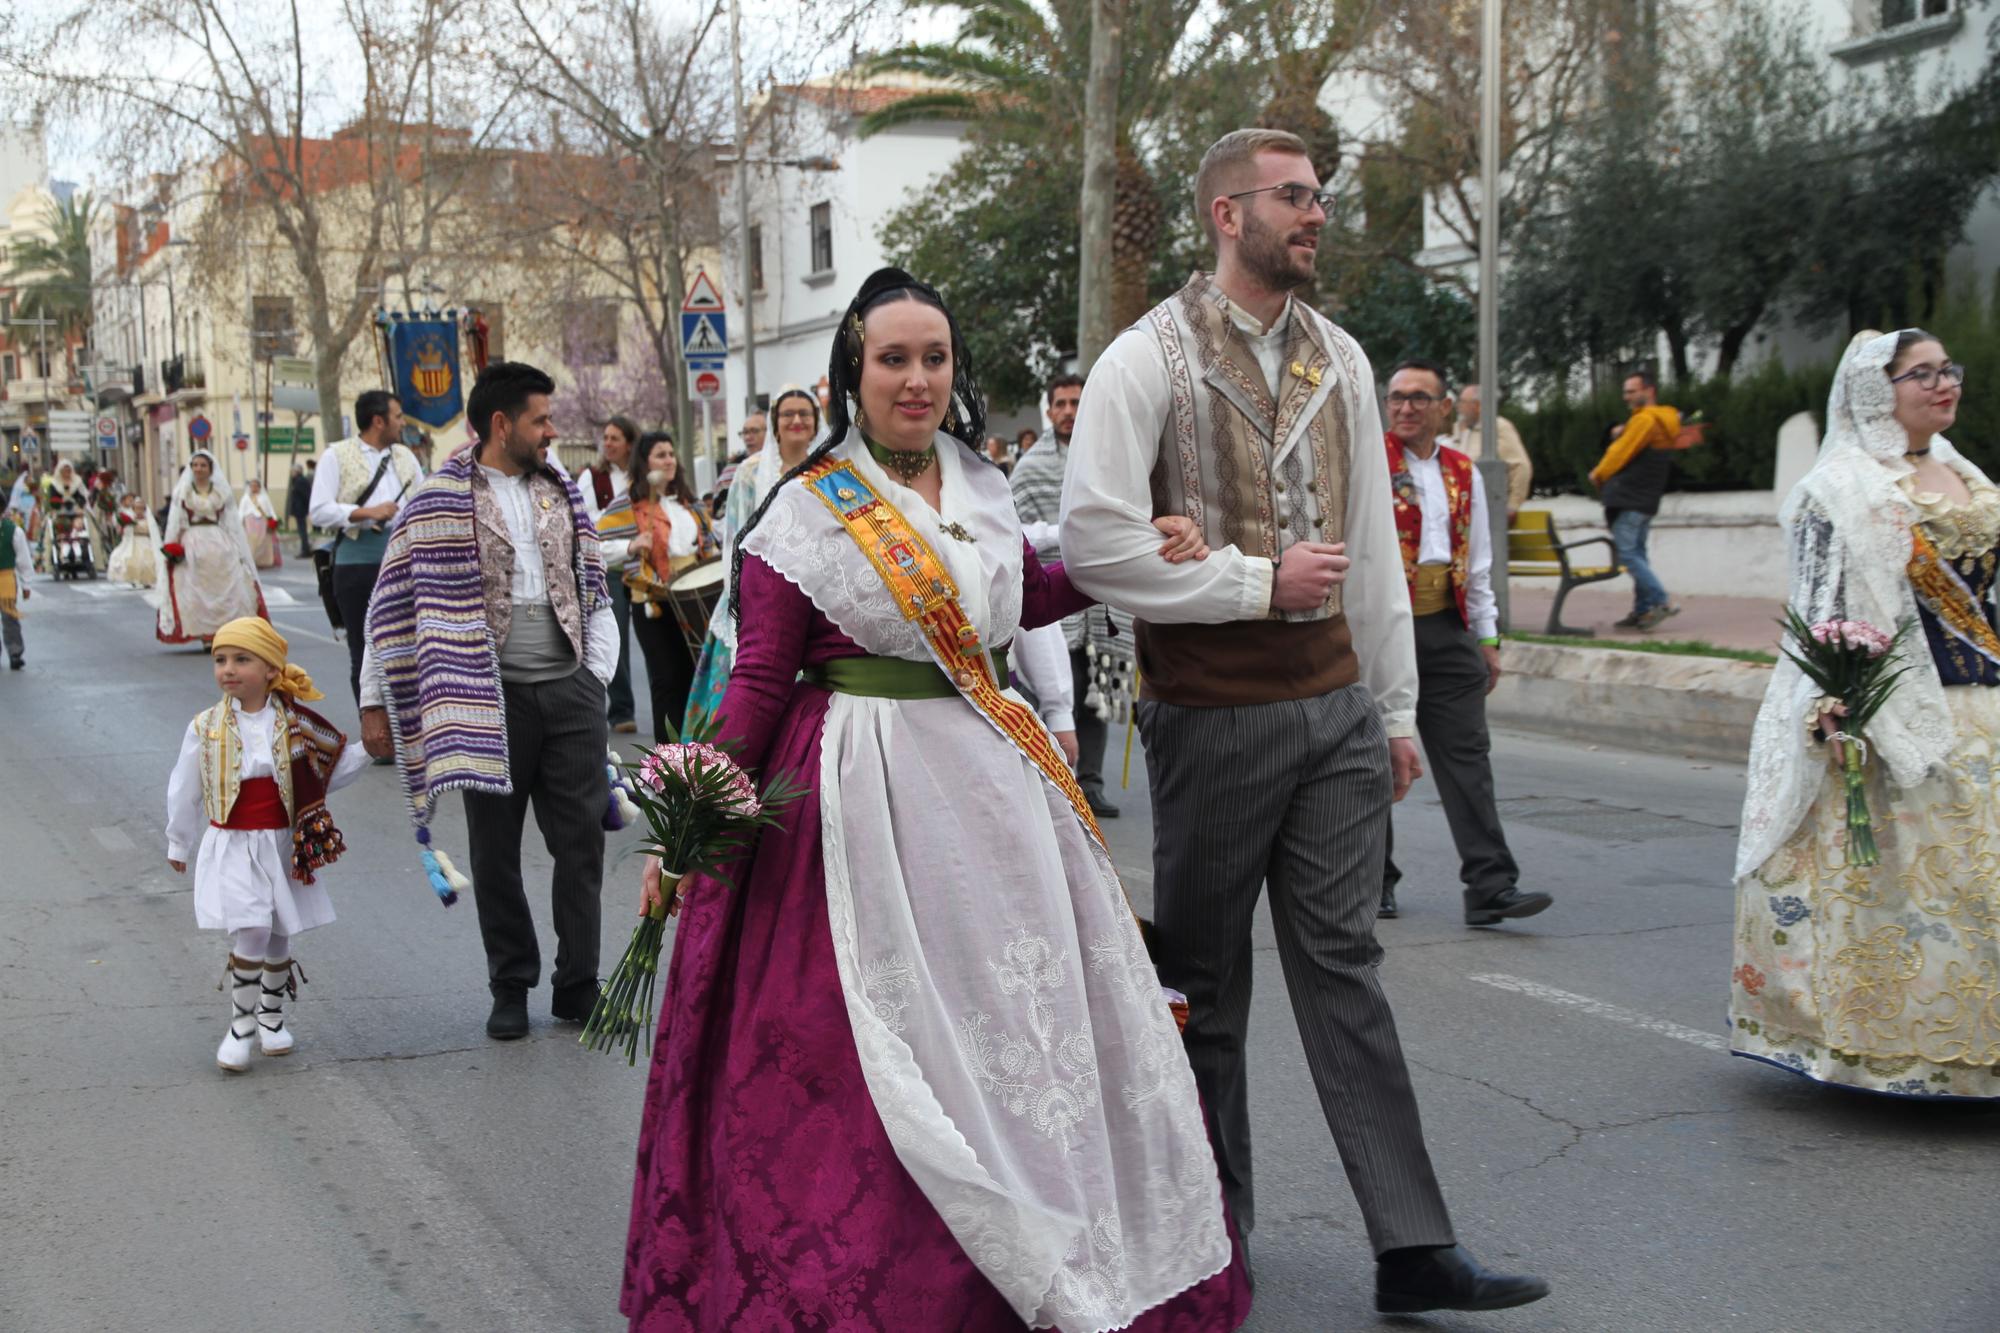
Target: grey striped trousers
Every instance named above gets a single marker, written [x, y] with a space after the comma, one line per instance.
[1296, 795]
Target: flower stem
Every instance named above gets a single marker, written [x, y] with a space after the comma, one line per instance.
[1861, 849]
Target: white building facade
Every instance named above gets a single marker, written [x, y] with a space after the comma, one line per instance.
[819, 196]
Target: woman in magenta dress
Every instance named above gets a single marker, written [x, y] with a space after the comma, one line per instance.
[914, 1071]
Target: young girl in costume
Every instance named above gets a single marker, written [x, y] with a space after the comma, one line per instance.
[251, 782]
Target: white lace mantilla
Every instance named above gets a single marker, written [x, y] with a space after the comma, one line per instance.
[1849, 522]
[1007, 1021]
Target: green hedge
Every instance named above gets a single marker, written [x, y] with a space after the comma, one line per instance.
[1565, 436]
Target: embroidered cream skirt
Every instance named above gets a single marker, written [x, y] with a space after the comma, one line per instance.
[1885, 978]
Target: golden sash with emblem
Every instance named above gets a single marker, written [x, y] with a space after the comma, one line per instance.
[926, 595]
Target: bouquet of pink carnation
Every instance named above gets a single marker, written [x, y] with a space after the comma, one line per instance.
[702, 811]
[1850, 661]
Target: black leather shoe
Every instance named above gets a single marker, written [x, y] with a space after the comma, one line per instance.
[16, 663]
[1100, 807]
[1509, 904]
[572, 1004]
[509, 1019]
[1449, 1278]
[1387, 911]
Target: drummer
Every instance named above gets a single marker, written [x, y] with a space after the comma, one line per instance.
[674, 536]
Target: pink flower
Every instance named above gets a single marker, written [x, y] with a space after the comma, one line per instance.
[680, 758]
[1858, 635]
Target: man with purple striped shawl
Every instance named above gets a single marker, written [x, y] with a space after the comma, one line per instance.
[490, 643]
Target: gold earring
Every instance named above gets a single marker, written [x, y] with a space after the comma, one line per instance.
[860, 417]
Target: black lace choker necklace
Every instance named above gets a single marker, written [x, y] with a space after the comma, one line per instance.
[908, 465]
[1924, 452]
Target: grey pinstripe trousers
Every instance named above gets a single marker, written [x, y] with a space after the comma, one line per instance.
[1296, 795]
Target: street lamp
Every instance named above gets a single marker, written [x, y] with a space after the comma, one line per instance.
[1489, 257]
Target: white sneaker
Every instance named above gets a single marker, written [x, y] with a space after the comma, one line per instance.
[273, 1038]
[245, 980]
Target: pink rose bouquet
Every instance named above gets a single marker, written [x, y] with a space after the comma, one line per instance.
[702, 811]
[1855, 663]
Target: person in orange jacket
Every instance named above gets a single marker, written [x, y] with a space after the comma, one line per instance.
[1631, 478]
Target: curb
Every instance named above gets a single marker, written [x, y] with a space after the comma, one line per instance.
[1701, 706]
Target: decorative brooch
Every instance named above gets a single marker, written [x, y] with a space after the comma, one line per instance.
[955, 530]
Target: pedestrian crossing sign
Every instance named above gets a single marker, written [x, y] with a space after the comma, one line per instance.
[704, 333]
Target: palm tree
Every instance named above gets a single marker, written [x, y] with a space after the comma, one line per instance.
[1018, 69]
[50, 273]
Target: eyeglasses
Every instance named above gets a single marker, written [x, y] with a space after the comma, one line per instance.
[1927, 377]
[749, 431]
[1414, 400]
[803, 414]
[1301, 197]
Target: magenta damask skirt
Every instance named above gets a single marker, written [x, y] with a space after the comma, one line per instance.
[768, 1196]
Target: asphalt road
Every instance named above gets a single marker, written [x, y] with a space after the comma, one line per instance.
[402, 1172]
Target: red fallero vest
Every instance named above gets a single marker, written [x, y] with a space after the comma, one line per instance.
[1458, 482]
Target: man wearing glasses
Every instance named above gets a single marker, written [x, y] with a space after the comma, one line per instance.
[1278, 686]
[1631, 478]
[752, 434]
[1448, 563]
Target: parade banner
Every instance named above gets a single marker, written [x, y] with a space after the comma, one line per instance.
[424, 369]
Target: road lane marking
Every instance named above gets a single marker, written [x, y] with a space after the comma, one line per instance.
[113, 839]
[1631, 1018]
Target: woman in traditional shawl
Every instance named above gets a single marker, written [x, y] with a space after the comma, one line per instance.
[204, 576]
[1886, 977]
[795, 417]
[915, 1071]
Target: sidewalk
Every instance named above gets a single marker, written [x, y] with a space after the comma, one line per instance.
[1726, 622]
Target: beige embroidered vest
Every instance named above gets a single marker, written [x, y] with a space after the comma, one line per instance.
[555, 532]
[1258, 473]
[355, 471]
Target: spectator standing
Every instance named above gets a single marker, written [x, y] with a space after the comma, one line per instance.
[1471, 441]
[298, 504]
[1631, 478]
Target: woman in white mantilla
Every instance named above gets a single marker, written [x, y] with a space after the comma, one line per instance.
[260, 525]
[915, 1070]
[203, 575]
[1884, 978]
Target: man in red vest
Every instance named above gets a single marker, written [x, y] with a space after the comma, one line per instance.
[1448, 560]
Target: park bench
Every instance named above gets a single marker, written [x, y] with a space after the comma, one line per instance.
[1534, 551]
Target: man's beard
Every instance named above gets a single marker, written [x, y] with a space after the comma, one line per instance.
[1265, 254]
[524, 455]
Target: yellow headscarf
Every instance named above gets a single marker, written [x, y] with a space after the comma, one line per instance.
[255, 635]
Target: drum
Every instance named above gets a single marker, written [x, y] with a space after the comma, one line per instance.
[694, 594]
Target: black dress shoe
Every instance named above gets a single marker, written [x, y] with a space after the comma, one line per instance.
[1447, 1278]
[573, 1004]
[1508, 904]
[509, 1019]
[1100, 807]
[16, 663]
[1387, 911]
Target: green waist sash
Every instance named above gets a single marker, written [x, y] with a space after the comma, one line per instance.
[893, 677]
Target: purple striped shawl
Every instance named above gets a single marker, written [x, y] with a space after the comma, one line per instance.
[427, 628]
